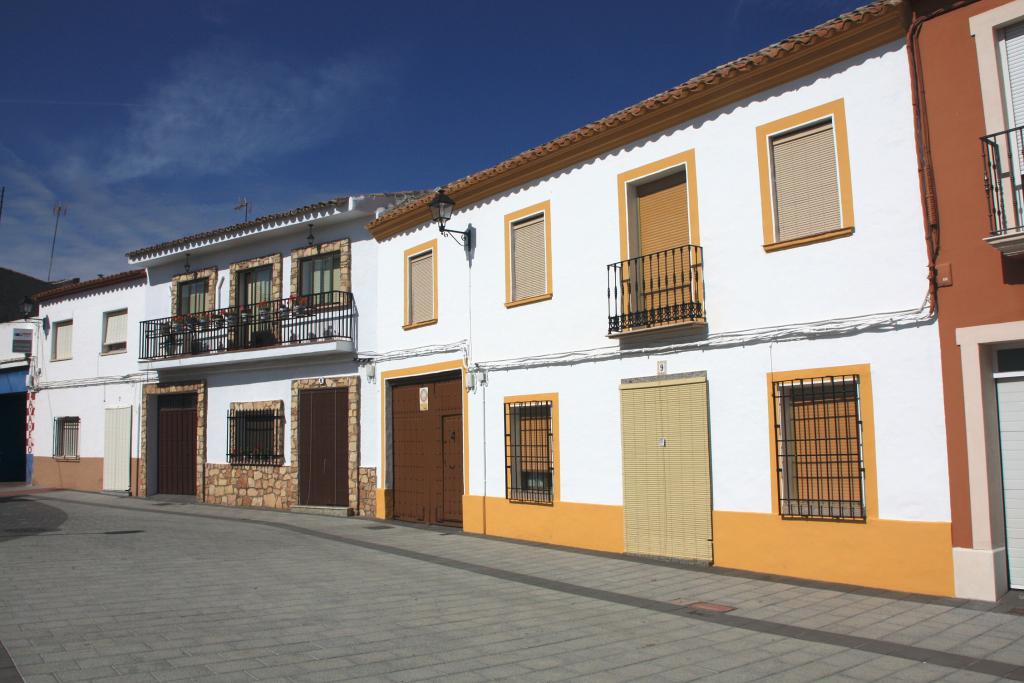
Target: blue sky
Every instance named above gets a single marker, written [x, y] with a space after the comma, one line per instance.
[150, 120]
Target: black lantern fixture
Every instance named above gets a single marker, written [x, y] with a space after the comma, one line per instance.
[26, 307]
[441, 208]
[309, 238]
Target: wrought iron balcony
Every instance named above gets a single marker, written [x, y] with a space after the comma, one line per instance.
[330, 316]
[1004, 184]
[656, 290]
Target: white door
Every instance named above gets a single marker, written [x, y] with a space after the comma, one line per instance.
[1011, 437]
[117, 448]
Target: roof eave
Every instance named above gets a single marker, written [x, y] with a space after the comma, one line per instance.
[871, 31]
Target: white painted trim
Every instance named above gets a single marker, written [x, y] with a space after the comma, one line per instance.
[984, 27]
[273, 353]
[979, 574]
[1008, 375]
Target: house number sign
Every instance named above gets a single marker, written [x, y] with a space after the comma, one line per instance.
[424, 398]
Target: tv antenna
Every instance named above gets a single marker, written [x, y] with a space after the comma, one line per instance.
[58, 211]
[244, 203]
[3, 190]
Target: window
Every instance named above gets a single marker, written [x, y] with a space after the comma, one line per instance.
[65, 437]
[255, 285]
[819, 447]
[529, 442]
[255, 436]
[421, 285]
[528, 255]
[320, 276]
[805, 177]
[192, 297]
[62, 340]
[115, 331]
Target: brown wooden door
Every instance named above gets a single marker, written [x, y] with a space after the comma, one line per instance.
[451, 481]
[176, 444]
[426, 419]
[323, 447]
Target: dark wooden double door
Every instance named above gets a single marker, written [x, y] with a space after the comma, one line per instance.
[323, 447]
[176, 444]
[426, 420]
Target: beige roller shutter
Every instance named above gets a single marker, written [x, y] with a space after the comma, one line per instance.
[667, 469]
[116, 331]
[806, 182]
[421, 288]
[529, 260]
[663, 217]
[117, 444]
[62, 340]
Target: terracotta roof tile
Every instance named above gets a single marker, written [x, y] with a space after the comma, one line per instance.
[88, 285]
[697, 84]
[336, 202]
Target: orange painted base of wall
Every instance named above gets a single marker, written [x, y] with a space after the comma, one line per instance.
[895, 555]
[578, 525]
[85, 474]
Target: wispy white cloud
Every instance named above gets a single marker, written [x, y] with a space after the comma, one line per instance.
[223, 107]
[220, 111]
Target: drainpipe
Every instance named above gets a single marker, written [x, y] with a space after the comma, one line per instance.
[922, 138]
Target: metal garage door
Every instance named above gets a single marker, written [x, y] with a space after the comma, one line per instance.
[1011, 437]
[117, 448]
[426, 419]
[666, 469]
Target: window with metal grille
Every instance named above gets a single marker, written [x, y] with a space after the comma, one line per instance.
[115, 331]
[818, 438]
[65, 437]
[529, 467]
[255, 436]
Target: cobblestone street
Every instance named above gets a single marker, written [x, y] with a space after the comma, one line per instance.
[105, 588]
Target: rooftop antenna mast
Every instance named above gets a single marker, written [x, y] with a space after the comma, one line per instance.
[3, 190]
[244, 203]
[58, 211]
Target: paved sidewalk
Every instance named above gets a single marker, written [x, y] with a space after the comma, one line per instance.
[103, 588]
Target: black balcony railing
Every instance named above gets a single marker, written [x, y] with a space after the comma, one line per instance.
[658, 289]
[1004, 167]
[302, 319]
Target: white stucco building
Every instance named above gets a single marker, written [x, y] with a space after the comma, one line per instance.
[698, 328]
[85, 384]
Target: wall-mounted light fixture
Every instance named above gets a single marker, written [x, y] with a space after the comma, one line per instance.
[188, 264]
[441, 208]
[309, 238]
[26, 307]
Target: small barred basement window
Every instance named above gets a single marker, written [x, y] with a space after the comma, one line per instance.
[528, 452]
[818, 437]
[65, 438]
[255, 436]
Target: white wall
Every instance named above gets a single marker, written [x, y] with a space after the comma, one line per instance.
[90, 381]
[881, 268]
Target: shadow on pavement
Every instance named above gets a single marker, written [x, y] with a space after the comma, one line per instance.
[21, 517]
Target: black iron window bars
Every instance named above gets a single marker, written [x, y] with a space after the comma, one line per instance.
[65, 437]
[819, 446]
[529, 463]
[255, 436]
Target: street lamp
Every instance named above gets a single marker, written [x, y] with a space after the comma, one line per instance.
[26, 307]
[441, 208]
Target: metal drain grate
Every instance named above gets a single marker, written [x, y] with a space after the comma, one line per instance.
[375, 527]
[703, 606]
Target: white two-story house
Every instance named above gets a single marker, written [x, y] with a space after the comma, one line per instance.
[251, 335]
[697, 328]
[84, 385]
